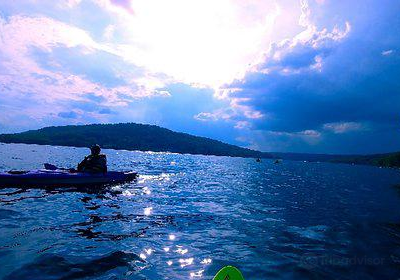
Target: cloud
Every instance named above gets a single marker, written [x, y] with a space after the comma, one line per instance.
[123, 8]
[73, 3]
[68, 115]
[322, 84]
[125, 4]
[286, 60]
[106, 111]
[314, 76]
[203, 116]
[311, 136]
[343, 127]
[242, 125]
[49, 61]
[109, 32]
[48, 66]
[387, 52]
[84, 56]
[217, 115]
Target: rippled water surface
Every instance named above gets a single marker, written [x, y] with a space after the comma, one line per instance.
[187, 216]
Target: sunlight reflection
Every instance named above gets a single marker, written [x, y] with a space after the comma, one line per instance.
[148, 251]
[169, 263]
[146, 190]
[197, 274]
[144, 178]
[165, 176]
[128, 193]
[166, 249]
[116, 188]
[147, 211]
[142, 256]
[181, 251]
[206, 261]
[186, 262]
[171, 237]
[161, 177]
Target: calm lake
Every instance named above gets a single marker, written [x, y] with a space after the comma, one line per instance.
[187, 216]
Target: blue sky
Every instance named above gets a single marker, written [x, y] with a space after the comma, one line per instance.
[319, 76]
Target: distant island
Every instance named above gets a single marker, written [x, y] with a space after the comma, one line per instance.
[130, 136]
[143, 137]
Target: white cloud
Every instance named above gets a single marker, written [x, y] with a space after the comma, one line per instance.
[247, 111]
[387, 52]
[222, 114]
[20, 73]
[242, 125]
[343, 127]
[109, 32]
[73, 3]
[311, 41]
[309, 37]
[310, 133]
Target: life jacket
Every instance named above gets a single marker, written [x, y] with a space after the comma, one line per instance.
[94, 164]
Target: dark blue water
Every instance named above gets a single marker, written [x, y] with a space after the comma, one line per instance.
[187, 216]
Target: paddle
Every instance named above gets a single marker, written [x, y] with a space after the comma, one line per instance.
[229, 273]
[49, 166]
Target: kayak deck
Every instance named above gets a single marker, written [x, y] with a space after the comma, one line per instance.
[62, 178]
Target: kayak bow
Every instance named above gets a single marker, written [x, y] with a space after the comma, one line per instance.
[229, 273]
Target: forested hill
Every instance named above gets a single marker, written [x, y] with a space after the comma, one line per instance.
[129, 136]
[384, 160]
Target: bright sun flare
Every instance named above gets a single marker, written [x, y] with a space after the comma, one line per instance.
[199, 42]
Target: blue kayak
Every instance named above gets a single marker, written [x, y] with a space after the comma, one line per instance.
[62, 178]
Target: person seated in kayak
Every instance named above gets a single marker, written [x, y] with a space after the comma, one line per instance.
[95, 162]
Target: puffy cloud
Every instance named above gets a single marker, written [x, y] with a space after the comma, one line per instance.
[19, 72]
[322, 84]
[48, 65]
[343, 127]
[288, 60]
[206, 116]
[242, 125]
[387, 52]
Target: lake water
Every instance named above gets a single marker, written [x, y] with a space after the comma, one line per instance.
[187, 216]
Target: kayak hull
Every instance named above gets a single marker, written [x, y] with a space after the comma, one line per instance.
[229, 273]
[63, 178]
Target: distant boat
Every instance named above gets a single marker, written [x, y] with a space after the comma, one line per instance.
[258, 160]
[277, 161]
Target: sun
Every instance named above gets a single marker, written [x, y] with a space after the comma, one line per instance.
[201, 42]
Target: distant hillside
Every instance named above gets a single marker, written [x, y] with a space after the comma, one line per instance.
[309, 157]
[384, 160]
[129, 136]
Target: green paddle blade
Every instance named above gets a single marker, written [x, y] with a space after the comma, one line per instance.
[228, 273]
